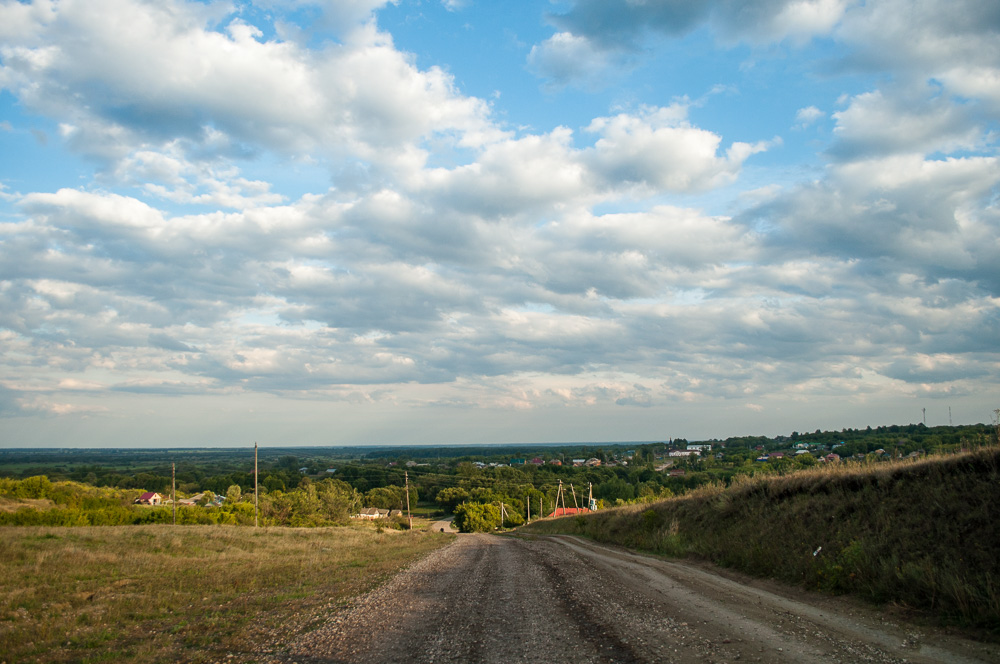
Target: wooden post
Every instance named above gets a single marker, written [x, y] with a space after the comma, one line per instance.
[528, 504]
[406, 476]
[575, 504]
[173, 490]
[256, 523]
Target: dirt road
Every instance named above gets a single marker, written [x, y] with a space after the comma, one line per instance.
[561, 599]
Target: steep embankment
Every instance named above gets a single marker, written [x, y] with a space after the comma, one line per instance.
[924, 534]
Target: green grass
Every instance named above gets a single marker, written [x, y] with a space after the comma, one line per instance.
[922, 534]
[186, 593]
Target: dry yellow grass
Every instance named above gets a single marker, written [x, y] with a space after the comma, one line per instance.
[169, 594]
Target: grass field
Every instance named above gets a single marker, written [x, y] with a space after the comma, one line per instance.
[184, 593]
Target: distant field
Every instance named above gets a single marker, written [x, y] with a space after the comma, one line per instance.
[186, 593]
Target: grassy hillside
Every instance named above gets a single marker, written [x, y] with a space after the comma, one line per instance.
[925, 533]
[181, 594]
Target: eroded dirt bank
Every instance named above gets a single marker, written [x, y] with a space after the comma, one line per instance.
[562, 599]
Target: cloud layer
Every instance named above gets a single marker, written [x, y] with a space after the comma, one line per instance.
[457, 266]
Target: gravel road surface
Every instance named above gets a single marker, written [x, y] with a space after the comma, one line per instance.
[562, 599]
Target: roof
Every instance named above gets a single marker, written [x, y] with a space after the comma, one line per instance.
[564, 511]
[149, 495]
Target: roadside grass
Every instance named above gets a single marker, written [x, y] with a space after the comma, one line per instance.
[182, 594]
[922, 534]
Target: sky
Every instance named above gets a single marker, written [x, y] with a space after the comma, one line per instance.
[458, 221]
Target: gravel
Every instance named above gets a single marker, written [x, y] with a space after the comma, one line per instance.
[486, 598]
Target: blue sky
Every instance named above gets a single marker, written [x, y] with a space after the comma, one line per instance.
[467, 222]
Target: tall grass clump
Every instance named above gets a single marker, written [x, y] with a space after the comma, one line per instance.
[921, 533]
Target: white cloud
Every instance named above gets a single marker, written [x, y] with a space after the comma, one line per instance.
[451, 262]
[657, 148]
[807, 116]
[128, 75]
[568, 59]
[878, 122]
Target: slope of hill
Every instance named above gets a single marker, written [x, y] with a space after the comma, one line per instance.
[923, 534]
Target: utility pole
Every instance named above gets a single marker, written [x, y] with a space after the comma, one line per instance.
[173, 490]
[541, 508]
[575, 504]
[528, 504]
[256, 523]
[406, 477]
[949, 415]
[925, 416]
[590, 498]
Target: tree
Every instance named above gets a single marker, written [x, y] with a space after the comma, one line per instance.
[451, 497]
[477, 517]
[233, 494]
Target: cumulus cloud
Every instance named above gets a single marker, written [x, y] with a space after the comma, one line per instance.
[876, 123]
[450, 260]
[568, 59]
[657, 148]
[624, 24]
[127, 75]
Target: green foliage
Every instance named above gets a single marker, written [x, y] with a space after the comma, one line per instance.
[451, 497]
[477, 517]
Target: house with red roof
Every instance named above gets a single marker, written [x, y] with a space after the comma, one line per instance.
[149, 498]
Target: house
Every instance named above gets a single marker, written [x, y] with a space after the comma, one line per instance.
[517, 462]
[699, 448]
[677, 472]
[593, 462]
[149, 498]
[193, 500]
[398, 513]
[538, 461]
[371, 513]
[681, 453]
[776, 455]
[579, 462]
[832, 458]
[566, 511]
[304, 469]
[555, 462]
